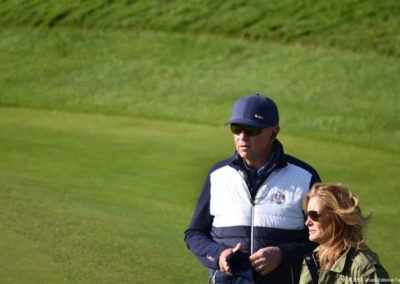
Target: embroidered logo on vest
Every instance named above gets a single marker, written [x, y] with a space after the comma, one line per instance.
[278, 197]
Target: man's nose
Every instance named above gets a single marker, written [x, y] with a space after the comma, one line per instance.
[243, 135]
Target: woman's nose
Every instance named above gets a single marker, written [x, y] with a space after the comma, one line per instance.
[308, 222]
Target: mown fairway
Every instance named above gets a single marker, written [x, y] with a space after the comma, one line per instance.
[106, 136]
[92, 198]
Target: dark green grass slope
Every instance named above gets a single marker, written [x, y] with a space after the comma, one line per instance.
[361, 25]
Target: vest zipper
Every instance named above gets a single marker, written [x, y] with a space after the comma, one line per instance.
[252, 227]
[291, 274]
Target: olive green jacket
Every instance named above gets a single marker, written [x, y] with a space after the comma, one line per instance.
[354, 266]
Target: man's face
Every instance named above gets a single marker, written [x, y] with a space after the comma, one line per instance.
[257, 148]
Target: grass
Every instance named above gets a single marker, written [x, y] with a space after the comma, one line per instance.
[322, 93]
[84, 199]
[110, 121]
[93, 200]
[360, 25]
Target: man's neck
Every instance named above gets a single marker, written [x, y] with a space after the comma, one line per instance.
[257, 164]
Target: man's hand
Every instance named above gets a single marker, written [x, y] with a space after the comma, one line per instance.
[266, 260]
[223, 264]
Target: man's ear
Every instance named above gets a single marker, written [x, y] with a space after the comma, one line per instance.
[275, 130]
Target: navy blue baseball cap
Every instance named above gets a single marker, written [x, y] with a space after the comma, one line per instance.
[255, 110]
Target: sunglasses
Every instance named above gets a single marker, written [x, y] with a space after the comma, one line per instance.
[248, 130]
[314, 215]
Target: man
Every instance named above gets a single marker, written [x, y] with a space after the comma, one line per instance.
[248, 226]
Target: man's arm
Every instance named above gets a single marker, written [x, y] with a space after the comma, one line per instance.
[267, 259]
[198, 234]
[294, 252]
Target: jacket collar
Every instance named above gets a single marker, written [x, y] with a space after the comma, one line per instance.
[276, 160]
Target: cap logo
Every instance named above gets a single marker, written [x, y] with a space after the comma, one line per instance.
[258, 116]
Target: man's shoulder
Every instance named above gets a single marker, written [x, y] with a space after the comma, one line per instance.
[222, 164]
[301, 164]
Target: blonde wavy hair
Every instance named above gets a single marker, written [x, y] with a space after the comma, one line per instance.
[346, 221]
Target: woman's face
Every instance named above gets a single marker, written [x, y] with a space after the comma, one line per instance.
[317, 221]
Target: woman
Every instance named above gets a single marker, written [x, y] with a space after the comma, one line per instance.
[335, 222]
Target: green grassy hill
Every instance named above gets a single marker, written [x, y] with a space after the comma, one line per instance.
[329, 94]
[112, 112]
